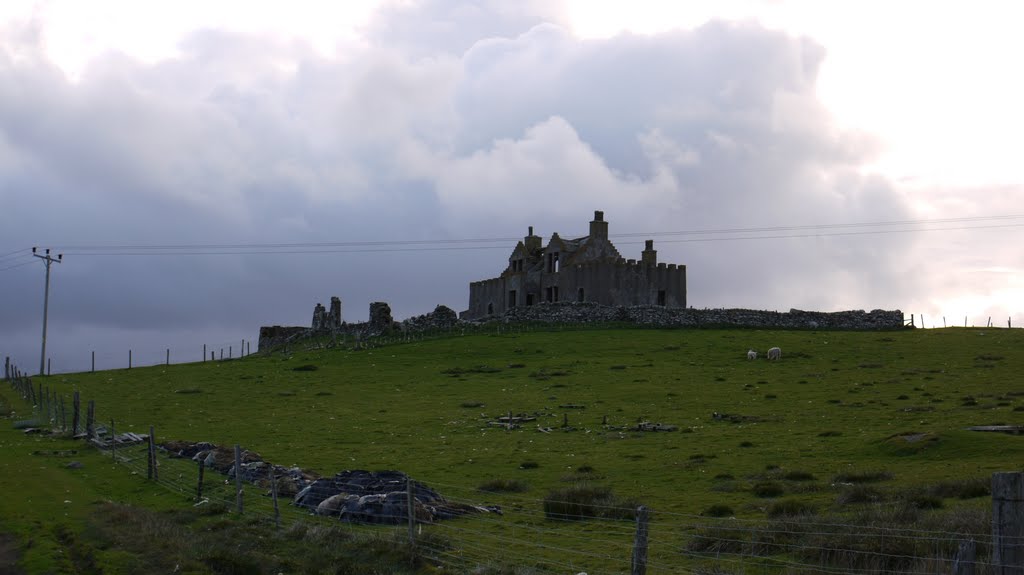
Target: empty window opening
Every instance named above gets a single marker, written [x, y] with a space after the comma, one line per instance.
[579, 295]
[490, 309]
[512, 298]
[529, 299]
[661, 297]
[553, 262]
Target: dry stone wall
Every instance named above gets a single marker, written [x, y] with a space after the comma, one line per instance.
[657, 316]
[444, 318]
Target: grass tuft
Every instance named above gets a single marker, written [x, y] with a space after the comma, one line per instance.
[719, 511]
[871, 476]
[504, 486]
[586, 500]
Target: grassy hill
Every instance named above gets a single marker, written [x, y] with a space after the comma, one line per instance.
[846, 421]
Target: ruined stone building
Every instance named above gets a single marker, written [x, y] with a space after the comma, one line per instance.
[586, 269]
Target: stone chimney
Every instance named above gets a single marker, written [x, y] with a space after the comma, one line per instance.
[649, 256]
[599, 227]
[532, 242]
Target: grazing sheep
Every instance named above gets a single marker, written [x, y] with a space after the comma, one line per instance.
[774, 353]
[751, 354]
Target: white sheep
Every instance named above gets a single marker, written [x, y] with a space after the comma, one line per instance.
[751, 354]
[774, 353]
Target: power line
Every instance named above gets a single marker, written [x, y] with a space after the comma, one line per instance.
[24, 263]
[826, 230]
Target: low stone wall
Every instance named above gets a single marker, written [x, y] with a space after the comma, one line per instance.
[444, 318]
[657, 316]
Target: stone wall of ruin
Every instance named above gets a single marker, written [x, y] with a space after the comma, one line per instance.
[444, 318]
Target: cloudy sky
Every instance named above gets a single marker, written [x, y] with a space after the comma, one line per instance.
[207, 168]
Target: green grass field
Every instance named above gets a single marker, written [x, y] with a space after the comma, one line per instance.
[797, 436]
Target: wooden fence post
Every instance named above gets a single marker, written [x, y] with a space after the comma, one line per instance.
[168, 362]
[1008, 523]
[7, 367]
[238, 478]
[273, 493]
[202, 467]
[638, 566]
[410, 510]
[76, 406]
[93, 369]
[963, 561]
[151, 472]
[129, 359]
[63, 416]
[89, 415]
[48, 366]
[204, 353]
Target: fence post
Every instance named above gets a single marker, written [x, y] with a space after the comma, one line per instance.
[151, 472]
[202, 467]
[89, 415]
[273, 493]
[638, 566]
[204, 353]
[129, 359]
[168, 362]
[963, 561]
[410, 510]
[7, 367]
[48, 366]
[63, 416]
[229, 352]
[1008, 523]
[213, 357]
[238, 478]
[93, 369]
[76, 406]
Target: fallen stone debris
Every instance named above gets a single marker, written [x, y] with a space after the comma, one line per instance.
[376, 497]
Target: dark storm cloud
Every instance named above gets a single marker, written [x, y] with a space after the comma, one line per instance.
[475, 124]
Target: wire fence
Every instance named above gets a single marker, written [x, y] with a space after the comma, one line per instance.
[145, 356]
[595, 537]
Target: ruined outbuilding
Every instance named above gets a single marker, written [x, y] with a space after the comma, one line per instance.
[585, 269]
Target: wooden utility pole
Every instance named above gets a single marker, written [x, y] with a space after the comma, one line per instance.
[48, 260]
